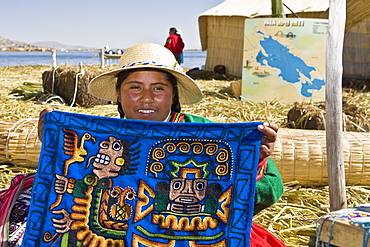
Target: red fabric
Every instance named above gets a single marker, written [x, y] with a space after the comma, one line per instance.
[262, 166]
[260, 237]
[175, 44]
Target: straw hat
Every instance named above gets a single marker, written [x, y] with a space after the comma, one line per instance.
[146, 55]
[178, 32]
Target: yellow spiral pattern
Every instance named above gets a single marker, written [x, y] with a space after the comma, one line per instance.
[184, 147]
[222, 156]
[156, 167]
[171, 147]
[222, 170]
[158, 153]
[197, 147]
[48, 237]
[211, 148]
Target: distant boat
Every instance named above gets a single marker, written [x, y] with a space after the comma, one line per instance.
[112, 56]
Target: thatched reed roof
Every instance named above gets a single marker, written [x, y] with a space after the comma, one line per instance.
[254, 8]
[357, 10]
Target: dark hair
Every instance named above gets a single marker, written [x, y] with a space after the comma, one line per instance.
[176, 107]
[173, 29]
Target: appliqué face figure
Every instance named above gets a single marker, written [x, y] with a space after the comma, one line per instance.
[187, 192]
[109, 160]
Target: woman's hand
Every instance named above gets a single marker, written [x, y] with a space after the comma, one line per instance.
[269, 131]
[40, 126]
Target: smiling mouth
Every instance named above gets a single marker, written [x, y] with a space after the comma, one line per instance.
[102, 159]
[146, 111]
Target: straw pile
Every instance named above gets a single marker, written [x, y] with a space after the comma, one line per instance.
[293, 218]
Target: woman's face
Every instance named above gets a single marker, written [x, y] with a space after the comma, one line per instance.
[146, 95]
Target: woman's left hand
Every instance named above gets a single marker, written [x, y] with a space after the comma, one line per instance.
[269, 131]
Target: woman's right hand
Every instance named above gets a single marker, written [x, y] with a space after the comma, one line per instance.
[40, 126]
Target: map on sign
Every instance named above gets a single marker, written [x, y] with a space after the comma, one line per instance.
[284, 60]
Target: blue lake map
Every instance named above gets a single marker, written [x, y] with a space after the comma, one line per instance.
[284, 59]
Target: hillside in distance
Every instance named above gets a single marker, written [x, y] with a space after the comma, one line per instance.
[16, 45]
[7, 44]
[59, 46]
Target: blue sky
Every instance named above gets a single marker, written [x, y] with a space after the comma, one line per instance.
[97, 23]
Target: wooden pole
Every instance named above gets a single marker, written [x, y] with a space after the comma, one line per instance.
[54, 58]
[333, 95]
[102, 58]
[277, 9]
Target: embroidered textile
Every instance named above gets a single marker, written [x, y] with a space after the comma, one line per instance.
[14, 204]
[116, 182]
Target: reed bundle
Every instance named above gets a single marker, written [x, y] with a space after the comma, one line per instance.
[300, 155]
[71, 83]
[19, 143]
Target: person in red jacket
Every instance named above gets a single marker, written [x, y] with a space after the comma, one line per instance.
[175, 44]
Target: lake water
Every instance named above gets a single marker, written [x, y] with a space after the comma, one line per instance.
[192, 59]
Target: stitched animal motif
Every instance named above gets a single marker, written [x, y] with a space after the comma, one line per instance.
[76, 152]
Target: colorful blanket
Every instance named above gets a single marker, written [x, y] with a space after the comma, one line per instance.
[14, 204]
[114, 182]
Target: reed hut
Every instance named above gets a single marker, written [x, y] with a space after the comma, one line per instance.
[222, 31]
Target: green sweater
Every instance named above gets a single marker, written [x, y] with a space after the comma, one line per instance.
[269, 188]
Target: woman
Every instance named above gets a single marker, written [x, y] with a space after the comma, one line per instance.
[175, 44]
[150, 85]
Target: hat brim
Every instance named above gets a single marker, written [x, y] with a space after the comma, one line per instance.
[104, 86]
